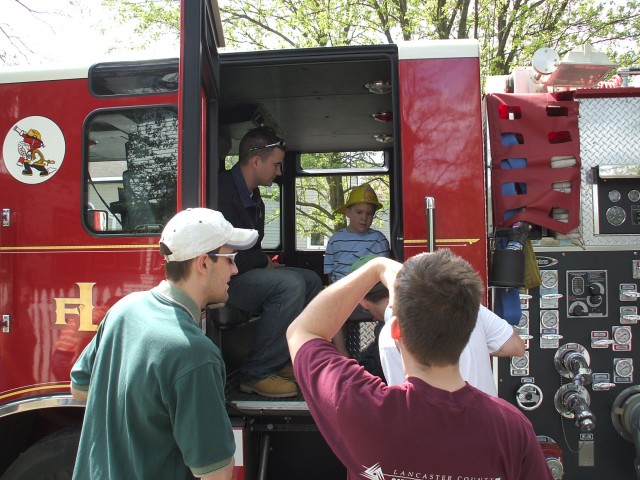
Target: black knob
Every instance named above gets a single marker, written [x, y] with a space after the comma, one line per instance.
[595, 299]
[578, 310]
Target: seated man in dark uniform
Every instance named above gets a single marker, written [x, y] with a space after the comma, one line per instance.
[279, 293]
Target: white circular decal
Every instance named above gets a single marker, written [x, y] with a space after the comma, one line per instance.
[33, 149]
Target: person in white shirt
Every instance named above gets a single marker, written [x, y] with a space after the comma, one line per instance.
[492, 336]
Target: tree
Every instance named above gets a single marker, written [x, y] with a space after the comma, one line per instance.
[509, 32]
[150, 20]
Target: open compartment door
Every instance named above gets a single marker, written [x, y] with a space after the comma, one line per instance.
[201, 36]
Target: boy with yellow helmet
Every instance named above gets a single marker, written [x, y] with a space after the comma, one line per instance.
[357, 240]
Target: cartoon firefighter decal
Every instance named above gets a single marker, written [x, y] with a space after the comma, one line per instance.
[31, 157]
[25, 155]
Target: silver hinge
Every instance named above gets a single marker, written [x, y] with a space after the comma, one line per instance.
[6, 323]
[6, 217]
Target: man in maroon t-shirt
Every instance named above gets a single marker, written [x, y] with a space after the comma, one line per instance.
[433, 426]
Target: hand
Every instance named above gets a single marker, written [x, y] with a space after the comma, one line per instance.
[388, 275]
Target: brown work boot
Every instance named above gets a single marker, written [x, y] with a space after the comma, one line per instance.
[272, 387]
[286, 372]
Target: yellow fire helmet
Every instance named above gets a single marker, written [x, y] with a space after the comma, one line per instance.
[361, 194]
[34, 134]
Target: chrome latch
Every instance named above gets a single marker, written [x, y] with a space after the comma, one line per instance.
[6, 217]
[6, 323]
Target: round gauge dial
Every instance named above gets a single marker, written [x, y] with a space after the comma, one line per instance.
[549, 319]
[634, 195]
[524, 320]
[615, 196]
[549, 279]
[616, 216]
[520, 362]
[624, 367]
[622, 336]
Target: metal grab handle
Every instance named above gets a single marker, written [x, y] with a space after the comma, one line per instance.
[430, 213]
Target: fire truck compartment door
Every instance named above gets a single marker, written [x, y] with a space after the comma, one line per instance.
[201, 35]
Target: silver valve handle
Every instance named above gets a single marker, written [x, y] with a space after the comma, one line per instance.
[602, 386]
[602, 343]
[551, 336]
[552, 296]
[631, 293]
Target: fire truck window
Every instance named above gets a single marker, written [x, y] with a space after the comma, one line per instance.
[131, 170]
[374, 160]
[134, 78]
[317, 197]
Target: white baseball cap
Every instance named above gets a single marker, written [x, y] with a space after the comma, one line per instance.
[196, 231]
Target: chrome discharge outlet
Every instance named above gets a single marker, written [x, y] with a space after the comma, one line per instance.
[572, 400]
[572, 361]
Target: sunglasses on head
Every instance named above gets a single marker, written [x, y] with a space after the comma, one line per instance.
[279, 143]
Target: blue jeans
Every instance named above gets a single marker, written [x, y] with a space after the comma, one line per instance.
[279, 295]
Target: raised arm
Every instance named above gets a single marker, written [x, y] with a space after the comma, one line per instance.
[328, 311]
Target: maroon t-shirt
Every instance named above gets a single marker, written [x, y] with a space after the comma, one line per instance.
[414, 430]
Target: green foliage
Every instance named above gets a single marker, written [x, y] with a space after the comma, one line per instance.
[151, 19]
[509, 31]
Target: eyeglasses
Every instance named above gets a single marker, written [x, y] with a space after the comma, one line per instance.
[279, 143]
[230, 256]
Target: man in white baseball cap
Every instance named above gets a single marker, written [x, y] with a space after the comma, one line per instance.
[154, 383]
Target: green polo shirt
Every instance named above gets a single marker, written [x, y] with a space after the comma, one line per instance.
[156, 404]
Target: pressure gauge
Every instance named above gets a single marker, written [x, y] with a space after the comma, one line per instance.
[549, 278]
[634, 195]
[520, 363]
[614, 196]
[622, 336]
[549, 319]
[524, 319]
[616, 216]
[624, 367]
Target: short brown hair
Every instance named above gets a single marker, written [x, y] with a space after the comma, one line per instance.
[437, 297]
[252, 142]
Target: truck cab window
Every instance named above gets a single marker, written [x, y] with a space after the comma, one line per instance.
[130, 170]
[323, 183]
[149, 77]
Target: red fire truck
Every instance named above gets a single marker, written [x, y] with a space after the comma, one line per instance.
[95, 160]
